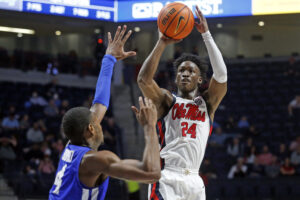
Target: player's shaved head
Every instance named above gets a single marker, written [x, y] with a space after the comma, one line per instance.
[75, 122]
[202, 65]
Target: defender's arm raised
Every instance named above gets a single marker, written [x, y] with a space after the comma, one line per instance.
[115, 51]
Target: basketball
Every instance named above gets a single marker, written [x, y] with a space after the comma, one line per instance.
[176, 20]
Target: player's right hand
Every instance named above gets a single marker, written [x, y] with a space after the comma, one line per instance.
[201, 26]
[166, 40]
[116, 46]
[147, 115]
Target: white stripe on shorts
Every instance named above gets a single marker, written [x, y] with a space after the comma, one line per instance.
[95, 193]
[85, 194]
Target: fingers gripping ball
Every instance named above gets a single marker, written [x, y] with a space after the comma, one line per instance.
[176, 20]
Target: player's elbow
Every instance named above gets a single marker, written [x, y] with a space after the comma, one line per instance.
[140, 80]
[157, 175]
[221, 77]
[225, 89]
[143, 81]
[153, 173]
[154, 177]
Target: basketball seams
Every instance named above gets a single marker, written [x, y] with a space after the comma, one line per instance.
[174, 19]
[165, 10]
[187, 22]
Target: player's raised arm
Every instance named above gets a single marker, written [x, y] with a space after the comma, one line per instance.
[218, 84]
[147, 170]
[160, 97]
[115, 51]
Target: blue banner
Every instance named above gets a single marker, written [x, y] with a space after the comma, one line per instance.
[107, 3]
[148, 10]
[126, 10]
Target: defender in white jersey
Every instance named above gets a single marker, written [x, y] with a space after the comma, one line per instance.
[185, 119]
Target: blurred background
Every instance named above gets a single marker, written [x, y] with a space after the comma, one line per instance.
[50, 57]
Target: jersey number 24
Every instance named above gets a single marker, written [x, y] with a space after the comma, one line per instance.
[188, 130]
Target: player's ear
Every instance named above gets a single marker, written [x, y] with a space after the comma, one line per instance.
[200, 80]
[91, 129]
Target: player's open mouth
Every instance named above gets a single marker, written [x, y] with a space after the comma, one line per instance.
[185, 81]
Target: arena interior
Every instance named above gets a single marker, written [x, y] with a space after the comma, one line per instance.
[50, 58]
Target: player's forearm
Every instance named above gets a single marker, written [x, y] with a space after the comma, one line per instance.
[147, 170]
[150, 65]
[216, 59]
[151, 157]
[133, 170]
[102, 93]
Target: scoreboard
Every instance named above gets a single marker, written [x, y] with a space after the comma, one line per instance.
[90, 9]
[147, 10]
[100, 10]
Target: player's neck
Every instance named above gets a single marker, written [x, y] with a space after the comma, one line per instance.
[85, 143]
[188, 95]
[92, 145]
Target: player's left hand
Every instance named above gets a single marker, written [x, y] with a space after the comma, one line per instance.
[147, 115]
[202, 25]
[166, 40]
[116, 46]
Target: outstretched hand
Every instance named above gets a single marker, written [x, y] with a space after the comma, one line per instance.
[116, 46]
[202, 25]
[166, 40]
[147, 115]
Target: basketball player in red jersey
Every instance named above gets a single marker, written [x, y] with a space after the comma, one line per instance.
[185, 119]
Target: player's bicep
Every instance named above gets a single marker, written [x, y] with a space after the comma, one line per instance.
[152, 91]
[215, 93]
[97, 162]
[161, 97]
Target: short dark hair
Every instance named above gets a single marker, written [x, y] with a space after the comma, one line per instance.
[75, 122]
[202, 65]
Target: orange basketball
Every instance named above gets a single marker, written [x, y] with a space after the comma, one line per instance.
[176, 20]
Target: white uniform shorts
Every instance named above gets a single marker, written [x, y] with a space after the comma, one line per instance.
[177, 184]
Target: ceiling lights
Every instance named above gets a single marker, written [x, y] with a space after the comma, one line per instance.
[17, 30]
